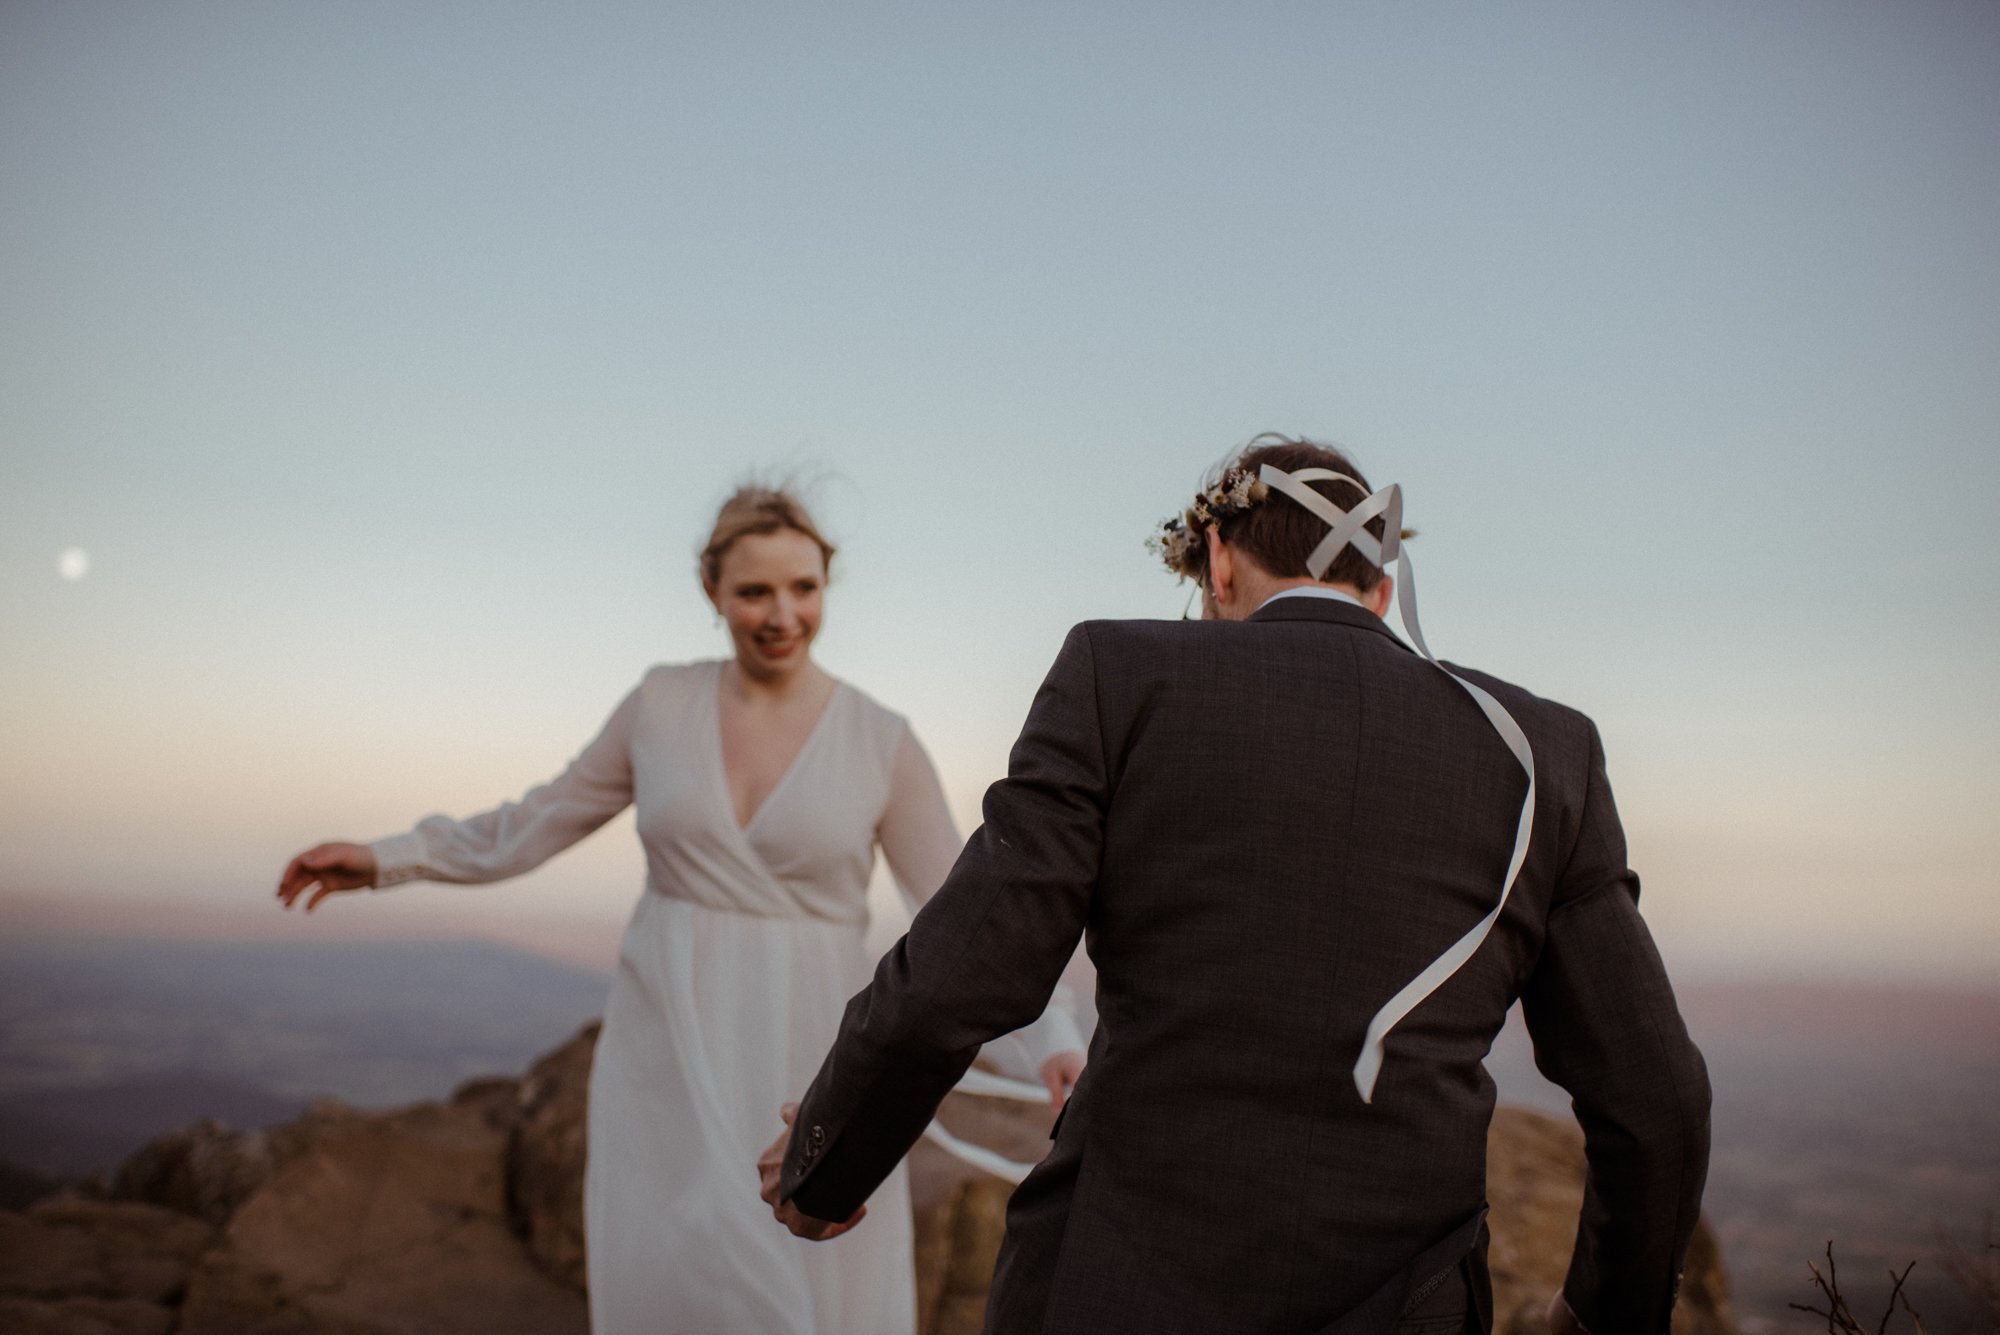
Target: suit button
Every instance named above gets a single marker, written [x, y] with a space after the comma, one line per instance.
[817, 1138]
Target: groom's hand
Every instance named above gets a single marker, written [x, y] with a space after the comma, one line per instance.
[771, 1167]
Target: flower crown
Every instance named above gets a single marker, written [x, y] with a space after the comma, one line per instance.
[1179, 542]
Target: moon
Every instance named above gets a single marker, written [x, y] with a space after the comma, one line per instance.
[73, 564]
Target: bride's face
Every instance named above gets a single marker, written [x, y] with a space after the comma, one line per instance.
[768, 592]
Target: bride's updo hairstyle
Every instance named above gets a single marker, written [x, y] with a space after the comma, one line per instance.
[1280, 535]
[757, 508]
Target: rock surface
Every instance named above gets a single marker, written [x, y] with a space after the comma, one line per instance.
[84, 1316]
[545, 1163]
[205, 1170]
[71, 1265]
[468, 1216]
[113, 1250]
[394, 1221]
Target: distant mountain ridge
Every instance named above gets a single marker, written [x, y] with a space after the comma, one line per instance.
[106, 1042]
[68, 1131]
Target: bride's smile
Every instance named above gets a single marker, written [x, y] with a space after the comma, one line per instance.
[769, 591]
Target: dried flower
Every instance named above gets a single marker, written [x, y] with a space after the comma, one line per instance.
[1179, 542]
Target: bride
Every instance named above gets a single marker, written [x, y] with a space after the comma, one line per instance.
[762, 787]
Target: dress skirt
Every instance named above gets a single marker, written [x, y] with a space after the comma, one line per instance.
[715, 1019]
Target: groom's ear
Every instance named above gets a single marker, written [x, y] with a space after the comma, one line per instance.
[1379, 597]
[1221, 568]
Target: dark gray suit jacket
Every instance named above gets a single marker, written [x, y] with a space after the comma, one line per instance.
[1263, 830]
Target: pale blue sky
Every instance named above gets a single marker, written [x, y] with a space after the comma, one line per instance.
[388, 361]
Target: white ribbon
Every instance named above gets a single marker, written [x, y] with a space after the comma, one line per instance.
[1347, 528]
[987, 1085]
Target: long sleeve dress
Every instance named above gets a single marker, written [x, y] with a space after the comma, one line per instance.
[729, 990]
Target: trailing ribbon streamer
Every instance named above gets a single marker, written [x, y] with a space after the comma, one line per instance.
[1347, 528]
[987, 1085]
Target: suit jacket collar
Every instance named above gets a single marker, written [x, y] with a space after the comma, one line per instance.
[1326, 609]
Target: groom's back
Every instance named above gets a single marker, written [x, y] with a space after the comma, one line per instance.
[1281, 836]
[1302, 815]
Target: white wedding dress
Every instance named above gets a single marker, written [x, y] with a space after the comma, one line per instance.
[729, 991]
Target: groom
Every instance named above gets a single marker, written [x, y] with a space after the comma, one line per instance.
[1314, 870]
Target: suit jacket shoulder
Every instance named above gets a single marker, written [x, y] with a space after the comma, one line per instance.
[1259, 662]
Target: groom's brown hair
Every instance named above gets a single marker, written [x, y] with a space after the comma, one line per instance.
[1279, 533]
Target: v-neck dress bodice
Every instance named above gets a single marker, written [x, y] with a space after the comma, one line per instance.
[730, 984]
[799, 855]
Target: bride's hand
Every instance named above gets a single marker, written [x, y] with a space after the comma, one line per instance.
[330, 868]
[1060, 1073]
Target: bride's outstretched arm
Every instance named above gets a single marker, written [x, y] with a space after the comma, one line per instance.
[921, 842]
[516, 837]
[510, 839]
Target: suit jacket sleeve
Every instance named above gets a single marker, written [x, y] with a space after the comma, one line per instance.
[1606, 1028]
[980, 959]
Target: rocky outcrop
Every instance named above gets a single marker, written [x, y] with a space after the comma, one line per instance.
[467, 1216]
[545, 1161]
[84, 1316]
[383, 1222]
[86, 1266]
[205, 1170]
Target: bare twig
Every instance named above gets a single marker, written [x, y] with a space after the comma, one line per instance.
[1839, 1316]
[1896, 1295]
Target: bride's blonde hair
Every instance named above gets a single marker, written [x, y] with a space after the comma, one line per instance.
[758, 508]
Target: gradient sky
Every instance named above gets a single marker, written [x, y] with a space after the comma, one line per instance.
[388, 362]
